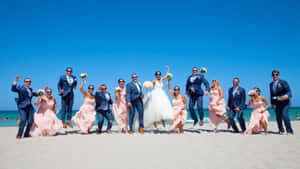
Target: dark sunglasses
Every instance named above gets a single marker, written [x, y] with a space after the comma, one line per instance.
[176, 89]
[49, 92]
[27, 81]
[134, 77]
[69, 71]
[195, 70]
[103, 88]
[91, 88]
[275, 74]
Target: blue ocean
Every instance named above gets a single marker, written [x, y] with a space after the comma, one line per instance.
[9, 118]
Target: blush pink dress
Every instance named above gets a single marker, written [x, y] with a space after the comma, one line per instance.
[45, 121]
[217, 113]
[120, 110]
[254, 125]
[179, 114]
[85, 117]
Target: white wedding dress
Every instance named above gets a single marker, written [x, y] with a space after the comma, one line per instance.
[157, 106]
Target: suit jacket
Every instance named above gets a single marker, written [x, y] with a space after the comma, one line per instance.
[238, 100]
[193, 88]
[132, 92]
[24, 99]
[102, 102]
[281, 89]
[63, 84]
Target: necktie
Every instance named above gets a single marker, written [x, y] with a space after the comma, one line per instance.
[138, 87]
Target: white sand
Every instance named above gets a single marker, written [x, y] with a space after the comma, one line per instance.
[196, 149]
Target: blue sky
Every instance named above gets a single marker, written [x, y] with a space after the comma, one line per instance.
[112, 39]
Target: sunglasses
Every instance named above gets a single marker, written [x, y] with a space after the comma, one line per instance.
[176, 89]
[91, 88]
[195, 70]
[103, 88]
[276, 74]
[69, 70]
[134, 77]
[27, 81]
[121, 81]
[48, 92]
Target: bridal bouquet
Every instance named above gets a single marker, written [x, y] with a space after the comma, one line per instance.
[203, 70]
[40, 92]
[252, 93]
[118, 90]
[170, 76]
[148, 85]
[83, 75]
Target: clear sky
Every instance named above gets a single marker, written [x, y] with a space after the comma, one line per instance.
[112, 39]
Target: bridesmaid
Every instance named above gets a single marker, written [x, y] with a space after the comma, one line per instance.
[179, 109]
[85, 118]
[259, 116]
[217, 107]
[120, 108]
[45, 121]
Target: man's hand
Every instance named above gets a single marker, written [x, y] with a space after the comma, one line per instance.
[237, 109]
[17, 78]
[142, 96]
[61, 91]
[188, 95]
[272, 106]
[129, 104]
[228, 108]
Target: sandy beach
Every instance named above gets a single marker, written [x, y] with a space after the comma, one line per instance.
[197, 148]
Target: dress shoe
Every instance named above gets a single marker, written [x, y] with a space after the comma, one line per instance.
[69, 124]
[141, 130]
[19, 137]
[201, 123]
[195, 122]
[130, 132]
[64, 126]
[28, 136]
[98, 133]
[289, 134]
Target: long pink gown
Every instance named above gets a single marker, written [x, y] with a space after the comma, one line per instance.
[179, 114]
[120, 110]
[217, 113]
[45, 121]
[85, 117]
[254, 125]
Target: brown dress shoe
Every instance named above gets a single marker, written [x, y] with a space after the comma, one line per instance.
[64, 126]
[141, 130]
[69, 124]
[98, 133]
[130, 132]
[19, 137]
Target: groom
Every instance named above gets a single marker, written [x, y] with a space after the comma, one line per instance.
[134, 99]
[280, 100]
[65, 87]
[24, 104]
[195, 93]
[236, 104]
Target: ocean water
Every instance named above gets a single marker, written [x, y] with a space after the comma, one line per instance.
[10, 117]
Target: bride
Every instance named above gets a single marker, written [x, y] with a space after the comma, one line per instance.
[157, 107]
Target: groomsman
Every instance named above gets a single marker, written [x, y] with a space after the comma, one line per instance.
[280, 100]
[134, 99]
[25, 108]
[65, 87]
[236, 105]
[195, 93]
[103, 103]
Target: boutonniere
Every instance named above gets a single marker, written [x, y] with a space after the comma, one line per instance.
[199, 77]
[238, 92]
[279, 85]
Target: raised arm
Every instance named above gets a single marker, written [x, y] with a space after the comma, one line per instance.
[250, 102]
[206, 84]
[169, 89]
[75, 82]
[15, 87]
[168, 71]
[81, 87]
[38, 100]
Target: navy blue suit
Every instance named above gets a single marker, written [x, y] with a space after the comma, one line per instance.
[25, 108]
[194, 90]
[103, 110]
[134, 96]
[281, 107]
[67, 98]
[237, 101]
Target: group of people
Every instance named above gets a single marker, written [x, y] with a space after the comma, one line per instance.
[134, 112]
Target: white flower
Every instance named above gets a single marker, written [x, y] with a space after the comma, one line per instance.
[252, 93]
[118, 90]
[203, 70]
[170, 76]
[40, 92]
[82, 75]
[148, 85]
